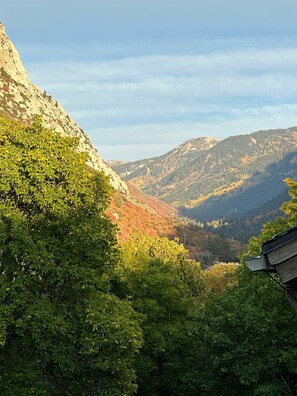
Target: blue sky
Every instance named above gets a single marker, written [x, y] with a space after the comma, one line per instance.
[141, 77]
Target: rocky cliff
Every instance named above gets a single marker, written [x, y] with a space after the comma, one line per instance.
[20, 100]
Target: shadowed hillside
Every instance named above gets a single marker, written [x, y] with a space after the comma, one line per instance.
[228, 180]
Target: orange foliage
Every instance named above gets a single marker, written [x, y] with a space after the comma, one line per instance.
[150, 216]
[141, 213]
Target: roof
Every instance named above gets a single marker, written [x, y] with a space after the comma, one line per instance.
[279, 240]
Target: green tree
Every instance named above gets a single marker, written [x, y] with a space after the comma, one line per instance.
[280, 224]
[246, 337]
[162, 285]
[62, 330]
[245, 333]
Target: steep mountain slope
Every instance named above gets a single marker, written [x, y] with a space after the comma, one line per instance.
[226, 166]
[228, 180]
[147, 172]
[256, 190]
[20, 100]
[150, 216]
[249, 224]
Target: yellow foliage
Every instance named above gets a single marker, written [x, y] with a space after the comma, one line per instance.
[220, 191]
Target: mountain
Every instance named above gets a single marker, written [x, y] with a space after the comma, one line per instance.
[227, 180]
[131, 209]
[20, 100]
[255, 189]
[245, 226]
[148, 172]
[150, 216]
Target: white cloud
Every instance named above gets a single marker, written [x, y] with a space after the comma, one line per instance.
[137, 140]
[142, 67]
[153, 102]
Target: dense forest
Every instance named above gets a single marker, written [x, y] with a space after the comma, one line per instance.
[250, 224]
[83, 315]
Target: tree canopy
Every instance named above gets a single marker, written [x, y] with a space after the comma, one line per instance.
[62, 330]
[163, 285]
[278, 225]
[81, 315]
[245, 333]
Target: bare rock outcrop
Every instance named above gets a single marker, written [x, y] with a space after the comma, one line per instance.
[20, 100]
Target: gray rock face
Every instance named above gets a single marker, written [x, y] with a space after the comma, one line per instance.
[20, 100]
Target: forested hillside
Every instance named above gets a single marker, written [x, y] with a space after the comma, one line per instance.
[234, 164]
[145, 172]
[149, 216]
[227, 181]
[250, 224]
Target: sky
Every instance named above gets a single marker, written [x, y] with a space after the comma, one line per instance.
[141, 77]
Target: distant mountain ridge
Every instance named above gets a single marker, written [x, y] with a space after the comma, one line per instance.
[146, 172]
[227, 180]
[20, 100]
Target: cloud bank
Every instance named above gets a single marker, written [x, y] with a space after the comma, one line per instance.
[140, 105]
